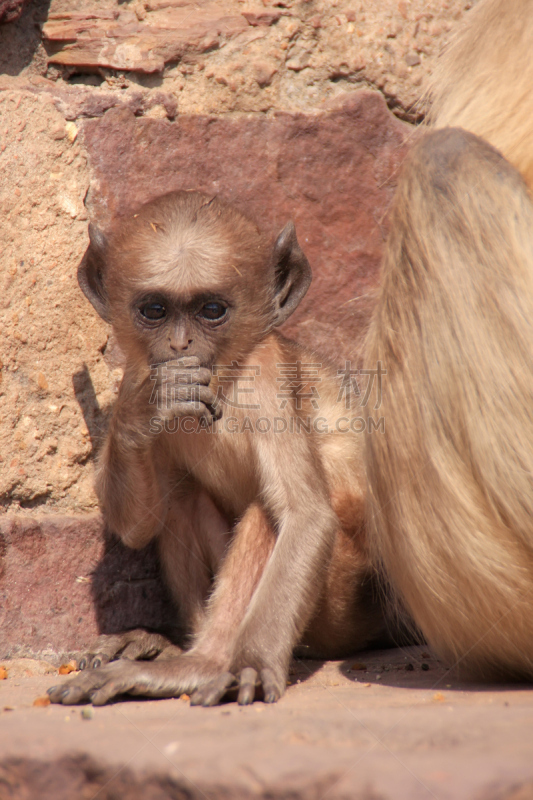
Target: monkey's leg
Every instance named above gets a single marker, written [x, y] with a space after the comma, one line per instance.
[349, 614]
[191, 543]
[451, 479]
[209, 660]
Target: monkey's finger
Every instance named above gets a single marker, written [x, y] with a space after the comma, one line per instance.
[212, 693]
[184, 377]
[78, 689]
[185, 361]
[192, 375]
[191, 409]
[216, 411]
[272, 689]
[101, 696]
[197, 393]
[55, 693]
[145, 645]
[175, 373]
[247, 686]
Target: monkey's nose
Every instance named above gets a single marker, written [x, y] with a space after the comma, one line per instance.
[180, 344]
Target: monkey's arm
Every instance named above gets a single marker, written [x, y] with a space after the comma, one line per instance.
[296, 495]
[127, 486]
[133, 470]
[297, 499]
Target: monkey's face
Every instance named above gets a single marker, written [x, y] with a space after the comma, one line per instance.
[169, 326]
[189, 276]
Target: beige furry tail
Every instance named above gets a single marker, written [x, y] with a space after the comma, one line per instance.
[484, 80]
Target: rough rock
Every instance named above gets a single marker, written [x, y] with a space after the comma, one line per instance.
[332, 173]
[10, 10]
[64, 580]
[51, 348]
[205, 53]
[139, 40]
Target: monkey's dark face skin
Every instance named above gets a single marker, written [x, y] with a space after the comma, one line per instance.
[169, 326]
[188, 276]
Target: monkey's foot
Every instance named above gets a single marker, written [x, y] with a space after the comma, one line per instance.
[249, 680]
[131, 646]
[171, 678]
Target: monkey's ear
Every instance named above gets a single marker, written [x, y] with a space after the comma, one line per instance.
[293, 273]
[91, 272]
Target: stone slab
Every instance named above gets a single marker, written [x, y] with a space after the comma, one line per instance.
[383, 734]
[142, 39]
[64, 580]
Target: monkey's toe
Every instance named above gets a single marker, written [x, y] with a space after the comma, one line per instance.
[248, 681]
[55, 693]
[212, 693]
[88, 685]
[93, 661]
[273, 688]
[131, 646]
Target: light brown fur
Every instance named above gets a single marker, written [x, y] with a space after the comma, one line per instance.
[451, 483]
[482, 82]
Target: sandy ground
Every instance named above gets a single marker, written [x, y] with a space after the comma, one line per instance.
[386, 731]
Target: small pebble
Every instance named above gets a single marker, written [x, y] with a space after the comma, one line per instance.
[42, 701]
[409, 667]
[425, 667]
[66, 669]
[87, 713]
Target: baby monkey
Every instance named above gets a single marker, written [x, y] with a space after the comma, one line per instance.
[234, 447]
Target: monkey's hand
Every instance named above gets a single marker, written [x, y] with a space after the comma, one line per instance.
[267, 682]
[181, 389]
[169, 678]
[131, 646]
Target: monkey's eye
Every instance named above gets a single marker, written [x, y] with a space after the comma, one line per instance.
[153, 311]
[213, 311]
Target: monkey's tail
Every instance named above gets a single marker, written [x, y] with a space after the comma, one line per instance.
[483, 82]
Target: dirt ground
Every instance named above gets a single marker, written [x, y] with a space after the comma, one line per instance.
[389, 725]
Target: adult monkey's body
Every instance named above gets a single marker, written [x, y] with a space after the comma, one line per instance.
[451, 483]
[268, 509]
